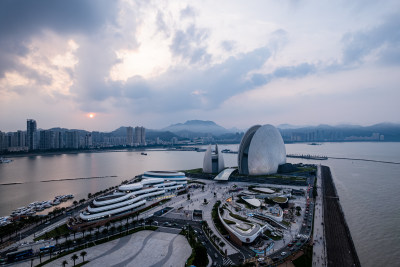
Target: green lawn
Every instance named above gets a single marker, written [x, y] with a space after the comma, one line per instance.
[58, 231]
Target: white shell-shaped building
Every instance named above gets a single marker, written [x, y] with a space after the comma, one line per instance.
[261, 151]
[213, 162]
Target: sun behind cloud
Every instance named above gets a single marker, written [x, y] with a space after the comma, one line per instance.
[91, 115]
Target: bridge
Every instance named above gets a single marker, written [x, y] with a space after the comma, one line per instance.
[225, 174]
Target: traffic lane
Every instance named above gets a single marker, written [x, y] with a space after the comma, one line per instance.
[201, 236]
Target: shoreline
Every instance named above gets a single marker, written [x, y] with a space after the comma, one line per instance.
[55, 153]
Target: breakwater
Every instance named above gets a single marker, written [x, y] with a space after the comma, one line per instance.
[339, 243]
[301, 156]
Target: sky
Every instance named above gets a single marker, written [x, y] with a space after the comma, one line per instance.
[98, 65]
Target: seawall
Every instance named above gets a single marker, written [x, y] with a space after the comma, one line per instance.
[339, 243]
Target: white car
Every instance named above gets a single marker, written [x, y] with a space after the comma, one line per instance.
[283, 253]
[261, 259]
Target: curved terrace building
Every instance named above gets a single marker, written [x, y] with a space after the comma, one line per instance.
[261, 151]
[213, 162]
[134, 196]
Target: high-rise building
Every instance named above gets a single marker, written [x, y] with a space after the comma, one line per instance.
[129, 136]
[46, 139]
[88, 140]
[31, 134]
[3, 141]
[72, 139]
[140, 136]
[21, 138]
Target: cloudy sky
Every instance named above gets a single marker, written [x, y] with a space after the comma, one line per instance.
[238, 63]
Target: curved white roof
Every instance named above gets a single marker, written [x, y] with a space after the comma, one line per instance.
[111, 212]
[261, 151]
[127, 187]
[152, 181]
[264, 189]
[253, 201]
[163, 174]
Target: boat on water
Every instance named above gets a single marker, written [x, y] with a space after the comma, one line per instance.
[3, 160]
[38, 206]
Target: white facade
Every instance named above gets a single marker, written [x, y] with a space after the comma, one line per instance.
[131, 196]
[261, 151]
[213, 162]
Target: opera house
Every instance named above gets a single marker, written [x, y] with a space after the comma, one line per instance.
[261, 151]
[213, 162]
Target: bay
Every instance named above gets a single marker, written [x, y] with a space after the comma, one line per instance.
[368, 191]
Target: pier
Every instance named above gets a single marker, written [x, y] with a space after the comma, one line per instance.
[302, 156]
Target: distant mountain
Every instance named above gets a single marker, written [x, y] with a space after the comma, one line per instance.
[343, 132]
[289, 126]
[196, 126]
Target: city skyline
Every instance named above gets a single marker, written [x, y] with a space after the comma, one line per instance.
[156, 63]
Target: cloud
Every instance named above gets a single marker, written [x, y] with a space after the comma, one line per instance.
[188, 12]
[228, 45]
[161, 25]
[199, 88]
[190, 45]
[381, 42]
[290, 72]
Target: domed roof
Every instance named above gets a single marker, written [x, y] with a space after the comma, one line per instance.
[261, 151]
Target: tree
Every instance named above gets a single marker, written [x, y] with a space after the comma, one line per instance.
[202, 188]
[56, 238]
[205, 201]
[64, 263]
[75, 203]
[88, 237]
[68, 243]
[74, 258]
[298, 208]
[83, 254]
[105, 231]
[188, 196]
[66, 235]
[201, 258]
[89, 195]
[112, 229]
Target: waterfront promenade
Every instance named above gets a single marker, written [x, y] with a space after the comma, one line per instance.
[319, 248]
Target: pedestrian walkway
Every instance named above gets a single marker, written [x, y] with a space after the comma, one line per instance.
[207, 217]
[319, 249]
[227, 262]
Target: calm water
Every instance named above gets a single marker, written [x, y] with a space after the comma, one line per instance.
[368, 191]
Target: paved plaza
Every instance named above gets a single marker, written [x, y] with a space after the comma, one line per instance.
[144, 248]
